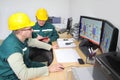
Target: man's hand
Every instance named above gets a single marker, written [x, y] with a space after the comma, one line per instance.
[43, 39]
[39, 37]
[55, 46]
[56, 68]
[46, 39]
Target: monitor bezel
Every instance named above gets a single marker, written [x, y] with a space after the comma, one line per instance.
[92, 18]
[114, 41]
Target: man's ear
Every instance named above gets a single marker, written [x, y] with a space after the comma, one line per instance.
[36, 18]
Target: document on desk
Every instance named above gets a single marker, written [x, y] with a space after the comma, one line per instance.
[82, 73]
[66, 55]
[87, 73]
[63, 43]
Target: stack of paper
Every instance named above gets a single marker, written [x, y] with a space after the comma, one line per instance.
[66, 55]
[62, 43]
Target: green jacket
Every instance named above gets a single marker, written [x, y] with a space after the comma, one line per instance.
[10, 46]
[48, 30]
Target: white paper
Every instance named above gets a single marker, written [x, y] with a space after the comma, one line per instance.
[83, 72]
[88, 73]
[62, 43]
[66, 55]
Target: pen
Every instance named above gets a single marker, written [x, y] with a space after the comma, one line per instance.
[89, 50]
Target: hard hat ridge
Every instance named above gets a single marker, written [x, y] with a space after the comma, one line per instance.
[42, 14]
[19, 20]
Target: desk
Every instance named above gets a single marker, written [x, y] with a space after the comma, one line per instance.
[63, 74]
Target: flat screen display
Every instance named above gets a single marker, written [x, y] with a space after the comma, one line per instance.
[91, 29]
[109, 37]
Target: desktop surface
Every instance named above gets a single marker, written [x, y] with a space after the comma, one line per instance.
[63, 75]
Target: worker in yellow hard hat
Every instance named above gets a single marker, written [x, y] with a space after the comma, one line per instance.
[14, 53]
[43, 29]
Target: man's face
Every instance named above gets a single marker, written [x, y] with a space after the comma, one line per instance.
[41, 22]
[27, 32]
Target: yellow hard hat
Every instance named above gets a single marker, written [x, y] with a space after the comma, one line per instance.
[19, 21]
[42, 14]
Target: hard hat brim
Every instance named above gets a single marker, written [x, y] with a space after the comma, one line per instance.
[31, 24]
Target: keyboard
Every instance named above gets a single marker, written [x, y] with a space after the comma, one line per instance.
[85, 51]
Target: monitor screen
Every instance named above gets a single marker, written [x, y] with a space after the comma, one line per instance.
[54, 20]
[91, 28]
[109, 37]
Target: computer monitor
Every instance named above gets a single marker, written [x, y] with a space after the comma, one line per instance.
[69, 24]
[54, 20]
[68, 27]
[109, 37]
[91, 29]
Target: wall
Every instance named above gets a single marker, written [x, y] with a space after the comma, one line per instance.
[104, 9]
[58, 8]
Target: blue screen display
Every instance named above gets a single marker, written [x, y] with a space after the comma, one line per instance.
[91, 28]
[106, 37]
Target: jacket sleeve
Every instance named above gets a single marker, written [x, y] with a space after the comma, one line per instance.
[33, 42]
[23, 73]
[34, 35]
[54, 35]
